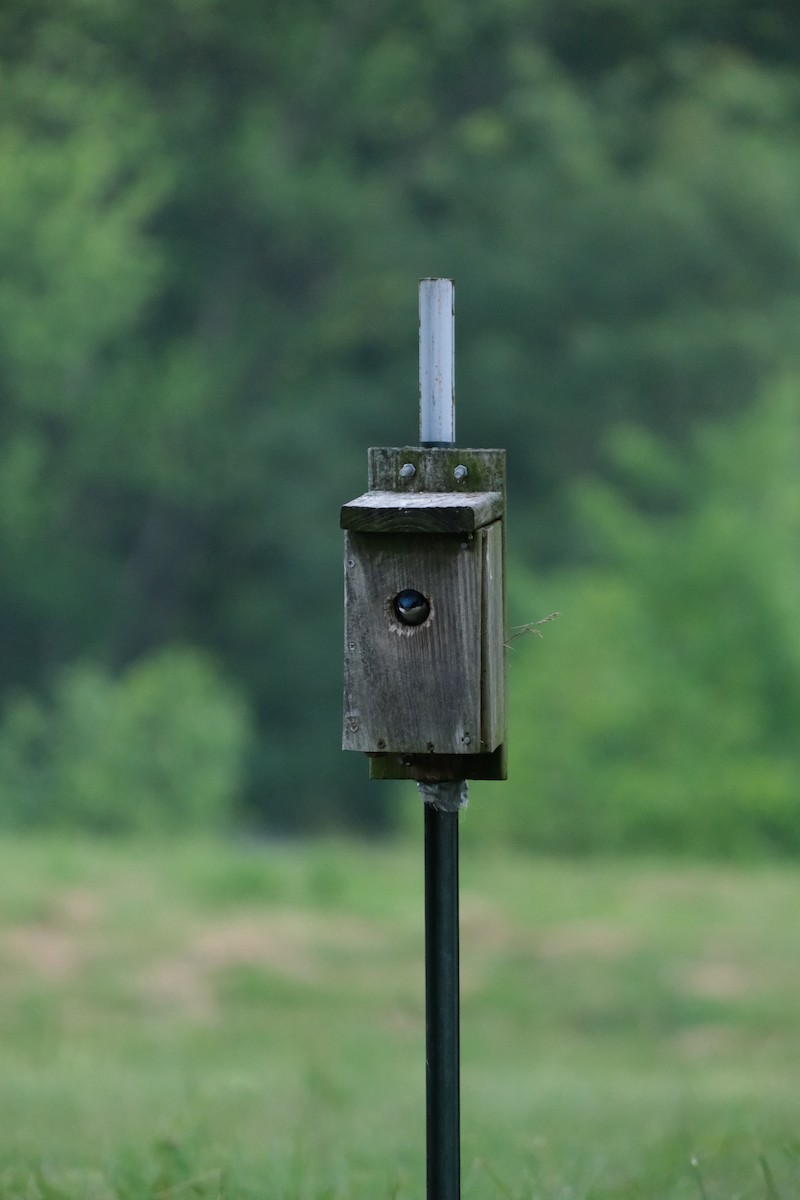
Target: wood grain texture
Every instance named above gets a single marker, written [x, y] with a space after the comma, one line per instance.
[493, 647]
[491, 762]
[427, 702]
[434, 469]
[413, 689]
[421, 512]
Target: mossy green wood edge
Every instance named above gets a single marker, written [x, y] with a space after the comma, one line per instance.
[440, 768]
[435, 469]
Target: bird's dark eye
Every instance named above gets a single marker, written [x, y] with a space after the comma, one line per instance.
[411, 607]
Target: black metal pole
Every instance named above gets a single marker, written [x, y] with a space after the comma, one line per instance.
[442, 1004]
[437, 426]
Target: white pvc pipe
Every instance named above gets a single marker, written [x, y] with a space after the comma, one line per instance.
[437, 401]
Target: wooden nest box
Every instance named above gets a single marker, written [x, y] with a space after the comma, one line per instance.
[424, 652]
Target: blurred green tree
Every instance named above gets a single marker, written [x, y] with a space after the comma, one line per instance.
[160, 749]
[661, 712]
[211, 227]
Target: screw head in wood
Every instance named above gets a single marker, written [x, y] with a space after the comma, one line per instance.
[411, 607]
[408, 471]
[460, 472]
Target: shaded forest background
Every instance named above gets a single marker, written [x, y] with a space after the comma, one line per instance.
[212, 222]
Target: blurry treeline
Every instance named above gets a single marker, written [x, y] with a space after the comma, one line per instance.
[212, 221]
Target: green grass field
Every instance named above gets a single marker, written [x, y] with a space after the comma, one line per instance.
[222, 1021]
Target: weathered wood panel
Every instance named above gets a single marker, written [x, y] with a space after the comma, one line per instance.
[493, 649]
[434, 469]
[413, 689]
[421, 512]
[414, 695]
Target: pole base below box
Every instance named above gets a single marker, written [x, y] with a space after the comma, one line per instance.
[439, 768]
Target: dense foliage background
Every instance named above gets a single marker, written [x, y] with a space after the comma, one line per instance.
[212, 223]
